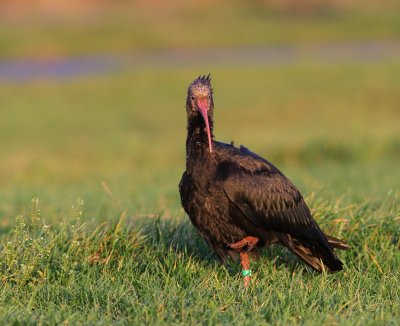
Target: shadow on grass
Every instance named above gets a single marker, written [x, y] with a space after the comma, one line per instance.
[183, 239]
[179, 236]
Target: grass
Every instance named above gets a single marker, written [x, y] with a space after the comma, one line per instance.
[125, 253]
[331, 128]
[158, 271]
[128, 255]
[198, 24]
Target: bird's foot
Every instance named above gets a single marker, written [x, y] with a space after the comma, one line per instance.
[246, 244]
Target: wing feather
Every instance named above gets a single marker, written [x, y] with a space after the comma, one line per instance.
[266, 197]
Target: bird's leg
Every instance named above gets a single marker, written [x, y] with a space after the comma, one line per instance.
[246, 272]
[246, 243]
[243, 246]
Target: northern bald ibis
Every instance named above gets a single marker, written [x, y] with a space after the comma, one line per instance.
[239, 202]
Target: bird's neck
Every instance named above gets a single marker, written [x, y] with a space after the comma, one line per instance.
[197, 140]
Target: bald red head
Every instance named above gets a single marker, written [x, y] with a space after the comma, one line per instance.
[200, 95]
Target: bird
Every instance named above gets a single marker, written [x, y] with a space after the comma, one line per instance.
[241, 203]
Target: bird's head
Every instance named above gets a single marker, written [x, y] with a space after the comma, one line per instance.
[200, 101]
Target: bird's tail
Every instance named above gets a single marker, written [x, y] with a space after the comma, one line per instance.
[316, 256]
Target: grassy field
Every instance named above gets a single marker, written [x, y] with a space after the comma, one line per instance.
[115, 144]
[94, 273]
[196, 24]
[331, 128]
[91, 227]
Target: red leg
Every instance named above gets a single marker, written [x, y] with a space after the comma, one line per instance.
[243, 246]
[246, 243]
[245, 260]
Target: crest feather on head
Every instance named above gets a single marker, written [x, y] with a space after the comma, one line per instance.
[201, 84]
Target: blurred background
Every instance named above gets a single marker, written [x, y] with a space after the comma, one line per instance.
[92, 97]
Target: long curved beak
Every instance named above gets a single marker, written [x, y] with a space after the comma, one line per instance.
[202, 104]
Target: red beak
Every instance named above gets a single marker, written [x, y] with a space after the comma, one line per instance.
[202, 104]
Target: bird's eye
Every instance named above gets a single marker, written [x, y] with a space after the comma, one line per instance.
[192, 98]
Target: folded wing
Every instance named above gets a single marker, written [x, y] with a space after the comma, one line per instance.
[270, 201]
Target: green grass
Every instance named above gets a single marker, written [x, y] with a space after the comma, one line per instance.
[195, 25]
[158, 271]
[125, 253]
[333, 129]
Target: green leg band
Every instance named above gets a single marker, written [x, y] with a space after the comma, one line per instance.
[246, 272]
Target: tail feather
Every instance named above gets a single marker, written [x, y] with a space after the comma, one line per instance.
[314, 254]
[317, 258]
[337, 243]
[306, 255]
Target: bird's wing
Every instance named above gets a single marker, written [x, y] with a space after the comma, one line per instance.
[265, 196]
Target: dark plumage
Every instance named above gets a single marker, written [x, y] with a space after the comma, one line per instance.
[240, 202]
